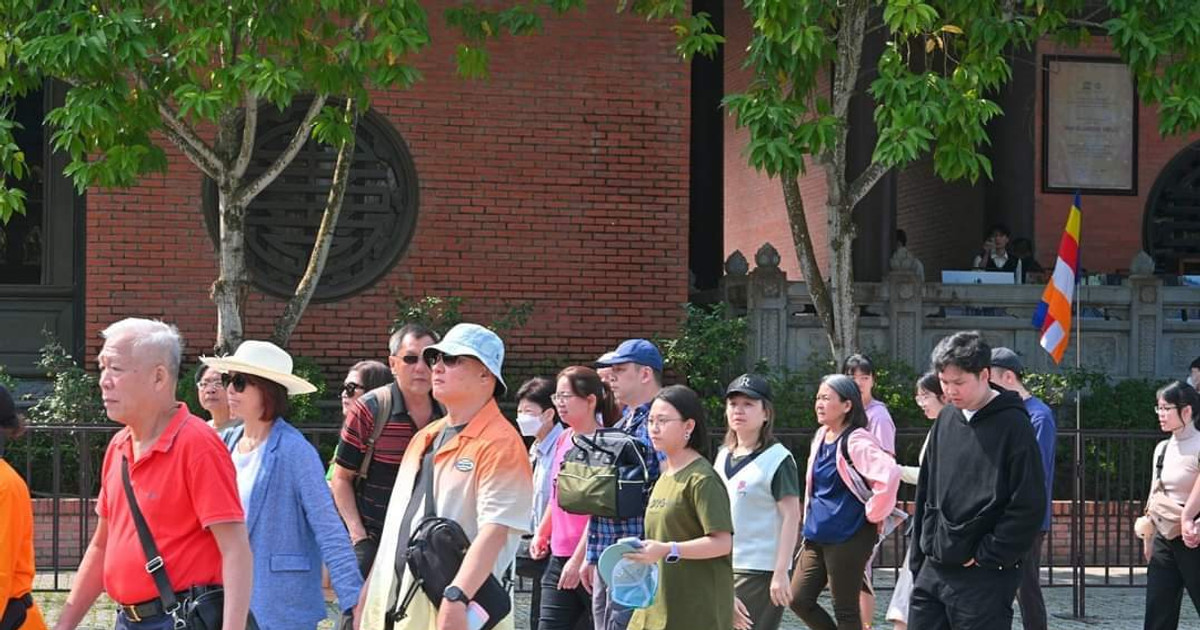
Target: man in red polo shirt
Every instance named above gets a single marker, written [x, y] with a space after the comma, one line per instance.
[184, 483]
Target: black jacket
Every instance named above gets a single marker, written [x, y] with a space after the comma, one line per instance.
[981, 492]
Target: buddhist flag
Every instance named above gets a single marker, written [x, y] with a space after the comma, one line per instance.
[1053, 315]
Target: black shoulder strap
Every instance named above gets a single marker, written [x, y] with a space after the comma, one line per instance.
[154, 561]
[422, 493]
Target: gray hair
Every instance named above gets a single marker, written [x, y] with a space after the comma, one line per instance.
[158, 338]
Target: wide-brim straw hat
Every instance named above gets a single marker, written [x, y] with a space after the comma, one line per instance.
[264, 360]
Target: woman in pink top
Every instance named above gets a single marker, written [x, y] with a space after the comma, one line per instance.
[585, 403]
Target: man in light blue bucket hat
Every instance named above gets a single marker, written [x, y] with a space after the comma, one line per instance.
[481, 479]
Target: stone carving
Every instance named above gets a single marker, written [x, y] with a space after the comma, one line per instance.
[1147, 340]
[904, 260]
[1148, 294]
[1142, 264]
[767, 256]
[1099, 352]
[1182, 353]
[736, 264]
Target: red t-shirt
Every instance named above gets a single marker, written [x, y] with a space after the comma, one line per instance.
[184, 484]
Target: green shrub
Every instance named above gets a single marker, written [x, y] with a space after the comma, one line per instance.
[710, 342]
[442, 313]
[74, 397]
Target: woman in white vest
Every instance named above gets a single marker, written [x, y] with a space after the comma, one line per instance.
[762, 478]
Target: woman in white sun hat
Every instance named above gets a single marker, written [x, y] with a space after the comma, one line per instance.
[294, 527]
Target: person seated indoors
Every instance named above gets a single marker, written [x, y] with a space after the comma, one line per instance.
[995, 255]
[1027, 266]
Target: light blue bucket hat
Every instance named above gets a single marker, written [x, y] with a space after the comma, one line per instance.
[473, 340]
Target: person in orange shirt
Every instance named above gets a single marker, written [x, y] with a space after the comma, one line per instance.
[16, 535]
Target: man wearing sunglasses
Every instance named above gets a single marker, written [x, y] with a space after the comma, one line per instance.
[481, 480]
[362, 487]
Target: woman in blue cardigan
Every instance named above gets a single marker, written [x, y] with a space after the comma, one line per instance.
[294, 527]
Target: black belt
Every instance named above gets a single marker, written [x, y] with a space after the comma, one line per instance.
[153, 608]
[27, 600]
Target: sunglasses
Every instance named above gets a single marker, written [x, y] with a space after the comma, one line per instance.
[239, 381]
[348, 389]
[449, 360]
[410, 359]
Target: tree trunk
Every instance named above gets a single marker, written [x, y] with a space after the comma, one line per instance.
[232, 285]
[287, 322]
[817, 289]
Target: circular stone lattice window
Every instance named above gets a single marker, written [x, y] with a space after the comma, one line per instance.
[1171, 228]
[379, 211]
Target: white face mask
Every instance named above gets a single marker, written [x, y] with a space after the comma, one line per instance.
[529, 424]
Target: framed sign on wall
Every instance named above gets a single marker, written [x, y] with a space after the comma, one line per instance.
[1089, 126]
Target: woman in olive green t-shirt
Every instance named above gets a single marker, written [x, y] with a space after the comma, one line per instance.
[689, 528]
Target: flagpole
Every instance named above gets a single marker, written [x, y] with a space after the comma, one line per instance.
[1081, 598]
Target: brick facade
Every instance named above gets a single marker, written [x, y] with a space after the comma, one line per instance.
[562, 180]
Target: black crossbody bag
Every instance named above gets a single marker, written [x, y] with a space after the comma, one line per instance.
[202, 608]
[433, 554]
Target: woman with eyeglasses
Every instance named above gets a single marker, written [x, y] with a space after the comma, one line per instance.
[850, 490]
[929, 399]
[763, 483]
[1169, 534]
[211, 392]
[293, 525]
[362, 378]
[689, 526]
[585, 403]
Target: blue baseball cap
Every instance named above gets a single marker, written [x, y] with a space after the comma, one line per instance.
[637, 351]
[473, 340]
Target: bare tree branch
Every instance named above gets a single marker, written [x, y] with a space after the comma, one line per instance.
[862, 185]
[189, 151]
[260, 183]
[249, 129]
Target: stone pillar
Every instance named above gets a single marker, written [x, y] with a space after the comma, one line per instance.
[1145, 317]
[905, 290]
[767, 308]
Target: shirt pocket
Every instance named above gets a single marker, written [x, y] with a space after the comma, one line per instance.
[284, 562]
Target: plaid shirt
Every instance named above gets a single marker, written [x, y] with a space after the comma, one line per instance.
[604, 531]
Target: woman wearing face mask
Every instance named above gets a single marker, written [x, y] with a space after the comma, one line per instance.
[585, 403]
[846, 500]
[929, 399]
[1169, 535]
[762, 479]
[536, 419]
[293, 526]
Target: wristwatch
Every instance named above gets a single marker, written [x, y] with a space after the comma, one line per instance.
[673, 554]
[455, 594]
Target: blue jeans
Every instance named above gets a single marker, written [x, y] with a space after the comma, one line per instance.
[157, 622]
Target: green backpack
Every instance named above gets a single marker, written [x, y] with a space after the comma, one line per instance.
[605, 474]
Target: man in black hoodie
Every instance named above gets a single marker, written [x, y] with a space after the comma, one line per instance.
[980, 497]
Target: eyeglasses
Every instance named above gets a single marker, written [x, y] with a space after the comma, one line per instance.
[410, 359]
[239, 381]
[349, 387]
[660, 421]
[1167, 409]
[209, 382]
[561, 398]
[432, 359]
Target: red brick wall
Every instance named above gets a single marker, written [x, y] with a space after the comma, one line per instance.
[563, 180]
[941, 219]
[1111, 234]
[754, 208]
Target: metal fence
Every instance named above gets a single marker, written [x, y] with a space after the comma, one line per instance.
[1101, 481]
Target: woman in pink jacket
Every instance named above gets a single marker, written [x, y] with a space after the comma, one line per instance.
[851, 489]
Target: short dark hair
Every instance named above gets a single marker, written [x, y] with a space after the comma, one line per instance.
[1181, 394]
[374, 374]
[274, 397]
[930, 382]
[11, 423]
[586, 382]
[902, 238]
[965, 350]
[416, 330]
[858, 363]
[848, 391]
[538, 391]
[689, 406]
[999, 228]
[200, 371]
[1195, 364]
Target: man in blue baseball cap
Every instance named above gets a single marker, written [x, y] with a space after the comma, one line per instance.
[636, 376]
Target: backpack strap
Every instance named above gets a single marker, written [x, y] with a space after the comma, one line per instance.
[422, 494]
[858, 483]
[383, 414]
[154, 561]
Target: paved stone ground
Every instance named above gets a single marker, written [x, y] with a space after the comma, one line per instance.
[1106, 606]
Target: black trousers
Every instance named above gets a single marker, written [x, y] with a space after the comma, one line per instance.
[962, 598]
[1029, 595]
[1173, 568]
[563, 610]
